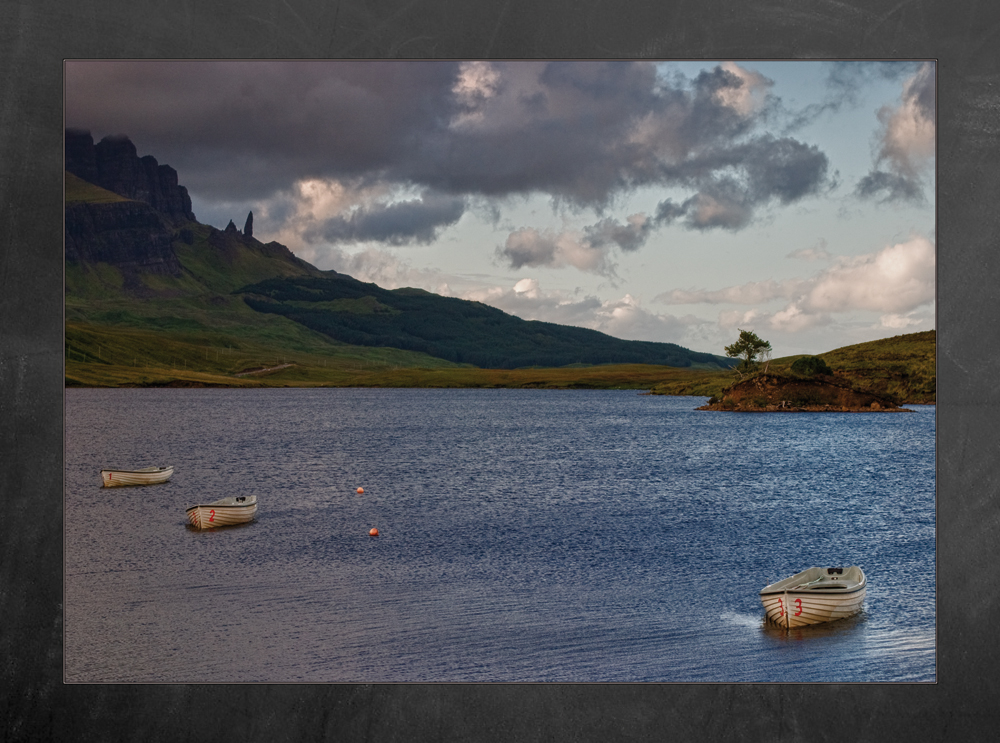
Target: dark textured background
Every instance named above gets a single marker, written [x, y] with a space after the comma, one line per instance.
[36, 36]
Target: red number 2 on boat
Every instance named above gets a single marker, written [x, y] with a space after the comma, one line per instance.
[212, 517]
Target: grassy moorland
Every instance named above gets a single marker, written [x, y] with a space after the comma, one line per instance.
[101, 356]
[79, 190]
[98, 356]
[901, 368]
[241, 313]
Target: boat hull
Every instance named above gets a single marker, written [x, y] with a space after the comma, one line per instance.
[815, 596]
[145, 476]
[226, 512]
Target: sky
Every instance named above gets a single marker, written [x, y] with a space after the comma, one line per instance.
[671, 201]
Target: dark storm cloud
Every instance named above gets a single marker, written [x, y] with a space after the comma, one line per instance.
[708, 119]
[629, 236]
[584, 133]
[399, 223]
[733, 182]
[248, 129]
[530, 248]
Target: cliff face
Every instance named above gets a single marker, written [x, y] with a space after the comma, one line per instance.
[114, 164]
[128, 234]
[137, 234]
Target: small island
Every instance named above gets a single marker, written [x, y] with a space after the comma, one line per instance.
[780, 393]
[808, 385]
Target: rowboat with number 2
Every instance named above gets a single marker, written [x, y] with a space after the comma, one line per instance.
[145, 476]
[815, 595]
[236, 509]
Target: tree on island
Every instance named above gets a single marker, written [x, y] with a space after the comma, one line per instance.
[749, 348]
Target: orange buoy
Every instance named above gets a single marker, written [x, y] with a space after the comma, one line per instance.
[360, 491]
[373, 532]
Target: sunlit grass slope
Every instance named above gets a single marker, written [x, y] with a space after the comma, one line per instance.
[901, 367]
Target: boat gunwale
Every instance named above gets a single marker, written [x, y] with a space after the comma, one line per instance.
[842, 590]
[252, 503]
[143, 471]
[845, 585]
[240, 507]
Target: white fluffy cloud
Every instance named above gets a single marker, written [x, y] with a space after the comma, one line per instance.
[909, 136]
[906, 143]
[896, 281]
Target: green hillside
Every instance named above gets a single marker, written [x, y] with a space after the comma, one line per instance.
[158, 299]
[173, 318]
[80, 191]
[455, 330]
[901, 368]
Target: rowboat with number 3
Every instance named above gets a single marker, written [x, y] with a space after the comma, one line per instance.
[145, 476]
[236, 509]
[815, 595]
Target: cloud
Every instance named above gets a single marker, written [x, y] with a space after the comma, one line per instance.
[589, 249]
[844, 82]
[889, 187]
[896, 281]
[624, 317]
[629, 236]
[811, 305]
[845, 79]
[734, 181]
[818, 252]
[901, 322]
[384, 268]
[754, 292]
[530, 247]
[906, 142]
[584, 133]
[399, 223]
[746, 97]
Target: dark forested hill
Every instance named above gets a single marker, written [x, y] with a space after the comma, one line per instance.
[453, 329]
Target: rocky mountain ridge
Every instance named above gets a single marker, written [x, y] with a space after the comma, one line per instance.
[115, 165]
[129, 212]
[130, 237]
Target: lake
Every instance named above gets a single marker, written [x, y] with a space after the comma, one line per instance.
[524, 535]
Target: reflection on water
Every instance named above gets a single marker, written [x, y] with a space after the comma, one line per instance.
[837, 628]
[524, 536]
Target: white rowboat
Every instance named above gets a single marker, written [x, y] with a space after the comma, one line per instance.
[236, 509]
[145, 476]
[815, 595]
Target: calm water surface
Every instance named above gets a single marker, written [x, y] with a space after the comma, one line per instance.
[524, 536]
